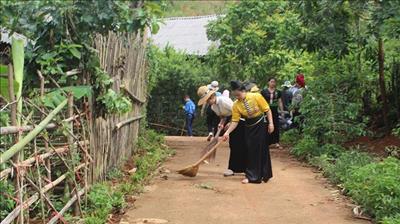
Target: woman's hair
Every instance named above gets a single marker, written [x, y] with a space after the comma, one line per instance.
[271, 78]
[237, 85]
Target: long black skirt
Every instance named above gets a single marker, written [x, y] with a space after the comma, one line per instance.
[273, 138]
[259, 166]
[238, 152]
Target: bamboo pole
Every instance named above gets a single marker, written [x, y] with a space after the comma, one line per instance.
[32, 134]
[66, 207]
[122, 123]
[132, 96]
[39, 177]
[46, 145]
[12, 215]
[72, 150]
[29, 161]
[166, 126]
[13, 115]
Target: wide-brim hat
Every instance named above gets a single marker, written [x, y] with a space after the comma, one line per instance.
[204, 93]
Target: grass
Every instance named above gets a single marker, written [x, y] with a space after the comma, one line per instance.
[196, 8]
[107, 197]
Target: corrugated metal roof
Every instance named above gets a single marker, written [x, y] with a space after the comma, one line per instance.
[185, 33]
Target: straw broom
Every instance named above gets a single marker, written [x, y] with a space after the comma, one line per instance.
[191, 171]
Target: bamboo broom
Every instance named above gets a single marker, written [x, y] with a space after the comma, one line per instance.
[191, 171]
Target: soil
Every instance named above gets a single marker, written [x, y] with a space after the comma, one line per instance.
[296, 194]
[375, 146]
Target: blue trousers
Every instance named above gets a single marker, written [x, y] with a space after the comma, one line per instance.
[189, 122]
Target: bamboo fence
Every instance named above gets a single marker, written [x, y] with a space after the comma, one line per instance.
[61, 152]
[113, 136]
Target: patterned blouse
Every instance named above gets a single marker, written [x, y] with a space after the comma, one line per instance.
[253, 105]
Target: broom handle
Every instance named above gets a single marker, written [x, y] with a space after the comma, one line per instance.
[219, 130]
[208, 154]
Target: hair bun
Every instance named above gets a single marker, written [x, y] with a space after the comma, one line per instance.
[236, 85]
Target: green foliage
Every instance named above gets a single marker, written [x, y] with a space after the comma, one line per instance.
[332, 106]
[115, 102]
[63, 33]
[195, 8]
[114, 173]
[396, 131]
[340, 170]
[291, 137]
[172, 75]
[252, 37]
[4, 88]
[152, 152]
[54, 98]
[393, 151]
[101, 201]
[376, 187]
[7, 203]
[391, 220]
[306, 148]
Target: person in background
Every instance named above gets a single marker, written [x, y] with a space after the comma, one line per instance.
[222, 106]
[274, 99]
[297, 92]
[190, 111]
[225, 93]
[253, 108]
[286, 95]
[212, 119]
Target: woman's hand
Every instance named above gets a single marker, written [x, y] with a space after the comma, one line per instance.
[227, 126]
[271, 128]
[220, 125]
[225, 137]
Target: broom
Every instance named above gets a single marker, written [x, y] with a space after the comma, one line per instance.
[191, 171]
[212, 143]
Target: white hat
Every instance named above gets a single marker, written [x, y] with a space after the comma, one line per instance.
[287, 84]
[213, 86]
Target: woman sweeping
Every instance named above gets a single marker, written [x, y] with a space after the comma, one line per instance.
[222, 106]
[253, 108]
[274, 99]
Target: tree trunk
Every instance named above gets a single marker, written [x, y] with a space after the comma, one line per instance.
[381, 60]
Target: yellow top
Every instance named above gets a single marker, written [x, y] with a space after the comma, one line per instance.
[257, 106]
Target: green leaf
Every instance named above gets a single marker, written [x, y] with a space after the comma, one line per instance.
[54, 98]
[4, 88]
[75, 52]
[3, 69]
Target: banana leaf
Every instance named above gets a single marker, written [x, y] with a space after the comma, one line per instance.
[4, 88]
[17, 49]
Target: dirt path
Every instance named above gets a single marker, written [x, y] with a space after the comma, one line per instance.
[296, 194]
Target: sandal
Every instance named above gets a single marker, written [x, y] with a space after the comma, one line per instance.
[245, 181]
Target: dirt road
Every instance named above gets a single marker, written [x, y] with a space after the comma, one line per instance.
[296, 194]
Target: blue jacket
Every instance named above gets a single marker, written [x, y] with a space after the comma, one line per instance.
[190, 107]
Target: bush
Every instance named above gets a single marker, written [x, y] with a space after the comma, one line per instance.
[376, 188]
[391, 220]
[347, 161]
[290, 137]
[7, 202]
[306, 148]
[101, 201]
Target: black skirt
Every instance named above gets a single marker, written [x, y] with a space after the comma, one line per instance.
[273, 138]
[237, 145]
[259, 166]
